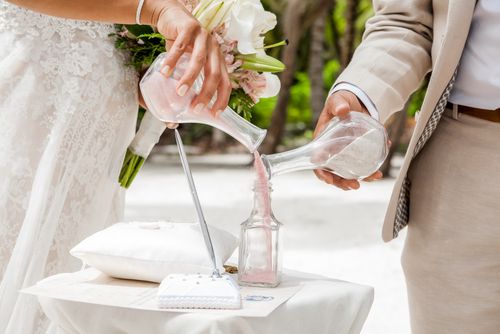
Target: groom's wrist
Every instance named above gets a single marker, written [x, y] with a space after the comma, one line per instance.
[362, 97]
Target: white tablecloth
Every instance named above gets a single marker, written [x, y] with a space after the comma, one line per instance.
[321, 306]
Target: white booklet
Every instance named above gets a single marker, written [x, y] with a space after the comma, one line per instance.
[93, 287]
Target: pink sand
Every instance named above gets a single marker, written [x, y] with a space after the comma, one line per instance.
[260, 277]
[262, 188]
[267, 274]
[162, 99]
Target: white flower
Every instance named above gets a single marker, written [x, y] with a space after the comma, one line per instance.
[273, 85]
[213, 13]
[248, 23]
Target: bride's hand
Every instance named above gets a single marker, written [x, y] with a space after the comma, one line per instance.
[185, 34]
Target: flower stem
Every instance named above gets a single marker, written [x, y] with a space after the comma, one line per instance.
[137, 167]
[131, 166]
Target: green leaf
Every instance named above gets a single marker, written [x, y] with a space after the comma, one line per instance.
[138, 30]
[242, 103]
[151, 36]
[261, 63]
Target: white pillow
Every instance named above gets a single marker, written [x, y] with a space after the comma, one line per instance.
[151, 251]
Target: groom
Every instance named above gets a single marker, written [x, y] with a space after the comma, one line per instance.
[448, 190]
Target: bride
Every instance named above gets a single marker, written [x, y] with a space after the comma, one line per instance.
[68, 106]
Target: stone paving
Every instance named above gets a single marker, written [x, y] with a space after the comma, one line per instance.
[327, 231]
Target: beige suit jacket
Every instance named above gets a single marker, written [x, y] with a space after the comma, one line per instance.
[403, 42]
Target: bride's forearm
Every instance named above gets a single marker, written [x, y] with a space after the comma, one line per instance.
[114, 11]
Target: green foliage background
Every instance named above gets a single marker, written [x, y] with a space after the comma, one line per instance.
[299, 122]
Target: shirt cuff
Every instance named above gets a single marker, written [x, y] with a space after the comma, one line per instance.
[360, 95]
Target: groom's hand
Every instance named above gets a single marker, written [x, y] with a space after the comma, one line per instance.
[339, 104]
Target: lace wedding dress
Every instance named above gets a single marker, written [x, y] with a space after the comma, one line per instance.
[68, 107]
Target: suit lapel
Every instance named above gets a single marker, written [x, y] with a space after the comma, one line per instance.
[457, 28]
[444, 70]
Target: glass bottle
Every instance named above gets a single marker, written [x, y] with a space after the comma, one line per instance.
[259, 262]
[164, 103]
[353, 147]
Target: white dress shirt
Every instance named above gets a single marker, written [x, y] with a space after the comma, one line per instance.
[478, 78]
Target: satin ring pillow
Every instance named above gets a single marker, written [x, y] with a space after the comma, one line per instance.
[151, 251]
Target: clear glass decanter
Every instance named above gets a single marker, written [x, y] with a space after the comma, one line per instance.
[353, 147]
[164, 103]
[260, 245]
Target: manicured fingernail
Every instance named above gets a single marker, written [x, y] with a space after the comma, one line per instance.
[182, 90]
[218, 112]
[165, 70]
[198, 108]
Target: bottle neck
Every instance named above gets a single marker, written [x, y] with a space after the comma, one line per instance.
[262, 199]
[288, 161]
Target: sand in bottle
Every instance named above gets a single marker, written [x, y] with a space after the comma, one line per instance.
[262, 249]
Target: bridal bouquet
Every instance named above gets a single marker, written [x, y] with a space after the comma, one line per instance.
[239, 26]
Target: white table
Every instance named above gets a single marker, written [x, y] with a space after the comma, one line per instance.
[322, 305]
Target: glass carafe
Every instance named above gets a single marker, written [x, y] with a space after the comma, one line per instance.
[260, 245]
[164, 103]
[353, 147]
